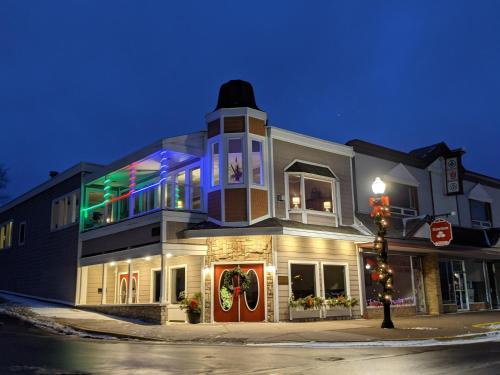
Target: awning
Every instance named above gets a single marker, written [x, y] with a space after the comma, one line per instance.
[310, 168]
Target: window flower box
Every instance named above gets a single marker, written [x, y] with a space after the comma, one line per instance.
[337, 312]
[306, 308]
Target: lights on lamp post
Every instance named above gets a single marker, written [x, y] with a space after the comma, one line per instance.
[382, 272]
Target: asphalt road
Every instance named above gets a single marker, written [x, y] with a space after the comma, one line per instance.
[28, 350]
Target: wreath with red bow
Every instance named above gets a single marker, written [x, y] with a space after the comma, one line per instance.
[236, 281]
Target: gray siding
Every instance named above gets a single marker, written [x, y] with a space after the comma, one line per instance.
[46, 265]
[284, 153]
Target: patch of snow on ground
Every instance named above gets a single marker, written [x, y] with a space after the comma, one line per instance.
[423, 328]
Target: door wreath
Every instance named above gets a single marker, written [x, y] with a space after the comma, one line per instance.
[234, 283]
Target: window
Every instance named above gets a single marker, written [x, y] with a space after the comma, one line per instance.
[403, 293]
[446, 279]
[403, 199]
[22, 233]
[215, 164]
[6, 235]
[476, 285]
[194, 178]
[156, 285]
[317, 194]
[303, 280]
[334, 280]
[257, 175]
[180, 190]
[65, 210]
[294, 191]
[177, 284]
[480, 213]
[235, 161]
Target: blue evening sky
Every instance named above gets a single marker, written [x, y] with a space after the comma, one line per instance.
[95, 80]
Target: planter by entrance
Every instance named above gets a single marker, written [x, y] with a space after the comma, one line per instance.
[194, 318]
[298, 313]
[338, 312]
[247, 306]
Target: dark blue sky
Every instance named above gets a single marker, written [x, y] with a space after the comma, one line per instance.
[93, 81]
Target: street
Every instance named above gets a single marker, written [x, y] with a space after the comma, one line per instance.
[28, 350]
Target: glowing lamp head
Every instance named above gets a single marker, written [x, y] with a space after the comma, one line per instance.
[378, 186]
[271, 268]
[327, 205]
[296, 202]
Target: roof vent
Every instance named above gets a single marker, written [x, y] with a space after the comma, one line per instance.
[236, 93]
[53, 174]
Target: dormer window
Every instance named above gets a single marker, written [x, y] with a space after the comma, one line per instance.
[480, 213]
[403, 199]
[311, 190]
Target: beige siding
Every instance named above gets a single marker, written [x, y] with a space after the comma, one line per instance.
[284, 153]
[94, 282]
[194, 266]
[291, 248]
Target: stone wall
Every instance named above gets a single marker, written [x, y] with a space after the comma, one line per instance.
[432, 284]
[239, 249]
[148, 313]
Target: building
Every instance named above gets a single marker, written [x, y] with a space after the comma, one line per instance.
[423, 185]
[258, 221]
[39, 238]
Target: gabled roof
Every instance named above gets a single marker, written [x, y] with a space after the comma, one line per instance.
[478, 193]
[401, 175]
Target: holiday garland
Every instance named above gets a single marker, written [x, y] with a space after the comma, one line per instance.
[234, 283]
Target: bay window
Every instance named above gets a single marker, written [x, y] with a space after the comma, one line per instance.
[257, 170]
[195, 189]
[215, 160]
[235, 161]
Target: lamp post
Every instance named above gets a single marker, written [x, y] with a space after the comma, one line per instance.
[383, 273]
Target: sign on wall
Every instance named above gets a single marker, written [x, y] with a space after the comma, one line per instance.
[453, 175]
[441, 232]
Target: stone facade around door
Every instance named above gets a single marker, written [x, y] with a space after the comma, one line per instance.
[239, 249]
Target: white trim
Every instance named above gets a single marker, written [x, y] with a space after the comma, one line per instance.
[346, 276]
[361, 279]
[271, 182]
[258, 289]
[170, 284]
[312, 142]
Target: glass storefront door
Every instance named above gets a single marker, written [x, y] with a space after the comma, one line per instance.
[418, 284]
[460, 283]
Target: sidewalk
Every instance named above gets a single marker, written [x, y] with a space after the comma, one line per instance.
[422, 327]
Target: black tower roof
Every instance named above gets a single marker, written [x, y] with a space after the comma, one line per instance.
[236, 93]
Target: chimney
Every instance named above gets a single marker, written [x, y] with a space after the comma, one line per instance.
[53, 174]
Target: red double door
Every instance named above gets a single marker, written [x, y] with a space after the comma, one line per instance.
[248, 306]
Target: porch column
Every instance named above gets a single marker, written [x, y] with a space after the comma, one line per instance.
[163, 278]
[104, 283]
[129, 286]
[432, 284]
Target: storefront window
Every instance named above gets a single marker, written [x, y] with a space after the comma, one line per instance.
[446, 278]
[334, 278]
[476, 285]
[303, 280]
[403, 293]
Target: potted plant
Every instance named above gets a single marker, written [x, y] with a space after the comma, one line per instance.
[308, 307]
[192, 306]
[339, 306]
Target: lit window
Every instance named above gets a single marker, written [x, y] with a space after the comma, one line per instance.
[318, 195]
[195, 188]
[303, 280]
[177, 284]
[215, 164]
[294, 191]
[235, 161]
[6, 235]
[180, 190]
[480, 213]
[257, 175]
[65, 211]
[334, 278]
[22, 233]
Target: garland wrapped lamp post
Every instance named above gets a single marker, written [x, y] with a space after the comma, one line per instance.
[382, 272]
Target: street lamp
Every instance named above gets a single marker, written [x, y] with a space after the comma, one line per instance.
[382, 272]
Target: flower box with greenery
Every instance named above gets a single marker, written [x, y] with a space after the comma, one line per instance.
[192, 306]
[340, 306]
[305, 308]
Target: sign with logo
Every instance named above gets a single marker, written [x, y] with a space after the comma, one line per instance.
[453, 175]
[441, 233]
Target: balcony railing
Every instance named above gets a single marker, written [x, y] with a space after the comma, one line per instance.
[142, 201]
